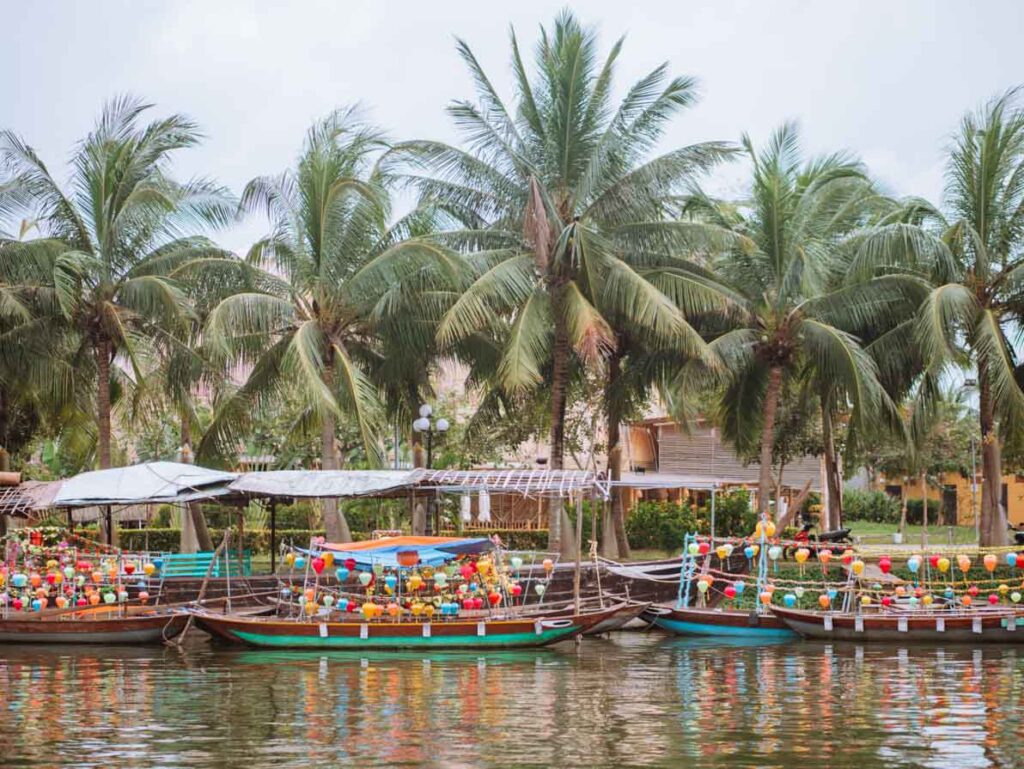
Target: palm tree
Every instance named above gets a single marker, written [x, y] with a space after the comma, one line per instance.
[342, 298]
[790, 320]
[562, 208]
[973, 260]
[109, 243]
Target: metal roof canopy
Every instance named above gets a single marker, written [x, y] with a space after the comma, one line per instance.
[146, 483]
[323, 484]
[335, 484]
[528, 483]
[671, 481]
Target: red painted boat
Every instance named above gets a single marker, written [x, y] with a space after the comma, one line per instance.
[944, 626]
[99, 625]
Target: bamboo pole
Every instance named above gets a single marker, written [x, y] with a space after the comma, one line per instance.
[202, 588]
[579, 551]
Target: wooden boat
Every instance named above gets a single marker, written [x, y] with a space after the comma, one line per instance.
[346, 633]
[945, 626]
[95, 625]
[718, 623]
[627, 612]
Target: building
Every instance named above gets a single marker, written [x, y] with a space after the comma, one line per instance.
[690, 462]
[954, 495]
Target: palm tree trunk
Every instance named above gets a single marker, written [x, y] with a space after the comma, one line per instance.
[993, 517]
[195, 509]
[102, 350]
[835, 491]
[924, 507]
[559, 386]
[334, 519]
[771, 405]
[614, 418]
[903, 504]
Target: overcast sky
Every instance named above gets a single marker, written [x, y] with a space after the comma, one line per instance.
[888, 79]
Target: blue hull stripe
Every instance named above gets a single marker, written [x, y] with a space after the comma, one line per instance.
[705, 629]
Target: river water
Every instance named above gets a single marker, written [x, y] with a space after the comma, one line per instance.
[638, 699]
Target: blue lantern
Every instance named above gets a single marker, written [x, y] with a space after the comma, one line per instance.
[341, 573]
[739, 587]
[789, 600]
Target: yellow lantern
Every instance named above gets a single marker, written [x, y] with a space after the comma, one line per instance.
[769, 529]
[943, 565]
[857, 567]
[963, 563]
[428, 610]
[369, 609]
[416, 609]
[328, 559]
[148, 569]
[927, 599]
[865, 600]
[802, 555]
[289, 558]
[1004, 589]
[415, 582]
[722, 552]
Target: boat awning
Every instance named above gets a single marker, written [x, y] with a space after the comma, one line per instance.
[324, 484]
[433, 551]
[527, 483]
[150, 482]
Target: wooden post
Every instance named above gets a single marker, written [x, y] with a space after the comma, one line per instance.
[202, 588]
[273, 535]
[579, 553]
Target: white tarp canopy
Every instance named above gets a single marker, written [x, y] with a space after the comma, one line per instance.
[154, 482]
[324, 484]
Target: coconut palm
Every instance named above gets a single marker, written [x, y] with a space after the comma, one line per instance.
[791, 319]
[108, 243]
[342, 305]
[562, 206]
[973, 259]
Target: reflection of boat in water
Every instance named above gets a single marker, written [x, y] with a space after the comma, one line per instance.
[452, 657]
[718, 623]
[100, 625]
[977, 626]
[490, 633]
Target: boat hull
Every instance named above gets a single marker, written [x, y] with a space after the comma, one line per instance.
[152, 629]
[923, 627]
[719, 623]
[384, 635]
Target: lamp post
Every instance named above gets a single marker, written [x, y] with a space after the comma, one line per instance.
[426, 426]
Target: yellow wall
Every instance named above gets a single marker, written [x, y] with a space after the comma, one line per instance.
[1014, 496]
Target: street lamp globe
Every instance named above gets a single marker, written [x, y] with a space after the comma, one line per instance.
[421, 425]
[425, 410]
[442, 425]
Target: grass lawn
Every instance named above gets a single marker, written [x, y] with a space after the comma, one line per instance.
[881, 533]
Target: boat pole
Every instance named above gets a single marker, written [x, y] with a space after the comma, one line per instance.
[273, 535]
[579, 551]
[202, 588]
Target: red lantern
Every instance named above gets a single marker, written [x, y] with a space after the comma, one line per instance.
[17, 604]
[886, 600]
[317, 564]
[703, 548]
[351, 606]
[350, 564]
[51, 579]
[494, 598]
[466, 572]
[81, 602]
[973, 591]
[993, 599]
[467, 604]
[933, 561]
[478, 603]
[847, 557]
[129, 568]
[517, 590]
[884, 564]
[730, 592]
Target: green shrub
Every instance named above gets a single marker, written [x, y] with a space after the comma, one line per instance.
[660, 525]
[733, 516]
[870, 506]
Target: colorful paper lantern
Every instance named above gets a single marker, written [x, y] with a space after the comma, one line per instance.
[990, 561]
[802, 555]
[885, 564]
[857, 567]
[942, 565]
[789, 600]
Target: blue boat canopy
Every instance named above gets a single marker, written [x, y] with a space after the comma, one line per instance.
[432, 551]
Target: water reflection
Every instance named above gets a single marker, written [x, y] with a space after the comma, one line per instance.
[638, 700]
